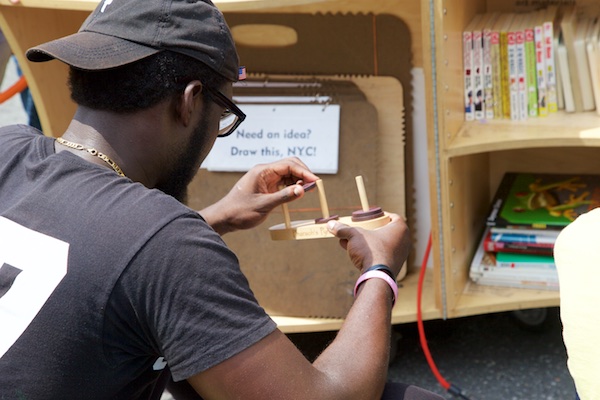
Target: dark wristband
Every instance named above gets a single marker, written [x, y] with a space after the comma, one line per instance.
[381, 267]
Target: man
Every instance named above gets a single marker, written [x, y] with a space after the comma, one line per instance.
[110, 286]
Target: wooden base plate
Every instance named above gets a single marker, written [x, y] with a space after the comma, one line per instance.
[308, 229]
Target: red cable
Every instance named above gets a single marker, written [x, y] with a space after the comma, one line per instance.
[422, 337]
[17, 87]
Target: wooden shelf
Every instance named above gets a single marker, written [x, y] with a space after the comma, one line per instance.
[404, 311]
[558, 130]
[480, 299]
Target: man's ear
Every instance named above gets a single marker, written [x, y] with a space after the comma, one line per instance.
[188, 102]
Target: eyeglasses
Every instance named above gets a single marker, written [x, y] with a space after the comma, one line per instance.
[231, 118]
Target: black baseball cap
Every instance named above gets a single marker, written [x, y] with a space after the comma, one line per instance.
[119, 32]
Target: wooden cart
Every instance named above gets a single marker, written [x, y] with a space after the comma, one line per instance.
[466, 159]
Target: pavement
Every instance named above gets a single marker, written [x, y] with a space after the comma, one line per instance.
[490, 357]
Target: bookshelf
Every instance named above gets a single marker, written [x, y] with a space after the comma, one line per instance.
[468, 159]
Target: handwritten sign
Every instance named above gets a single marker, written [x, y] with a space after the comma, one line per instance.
[275, 131]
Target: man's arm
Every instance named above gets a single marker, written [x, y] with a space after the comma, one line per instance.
[354, 366]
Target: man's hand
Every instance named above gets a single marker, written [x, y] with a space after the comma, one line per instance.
[257, 193]
[388, 245]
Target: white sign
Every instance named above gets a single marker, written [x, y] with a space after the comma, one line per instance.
[275, 131]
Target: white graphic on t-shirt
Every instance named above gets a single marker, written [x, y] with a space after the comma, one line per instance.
[159, 364]
[31, 267]
[106, 3]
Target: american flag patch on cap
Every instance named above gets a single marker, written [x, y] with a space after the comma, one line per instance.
[242, 73]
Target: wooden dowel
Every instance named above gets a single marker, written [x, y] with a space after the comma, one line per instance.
[286, 213]
[323, 199]
[362, 193]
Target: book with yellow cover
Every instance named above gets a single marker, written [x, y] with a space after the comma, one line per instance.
[502, 26]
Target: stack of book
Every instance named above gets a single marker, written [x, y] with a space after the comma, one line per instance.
[520, 66]
[527, 214]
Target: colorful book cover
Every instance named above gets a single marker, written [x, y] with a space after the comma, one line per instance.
[549, 34]
[520, 260]
[496, 68]
[540, 64]
[513, 77]
[519, 33]
[468, 73]
[504, 64]
[543, 201]
[519, 243]
[530, 66]
[478, 99]
[488, 62]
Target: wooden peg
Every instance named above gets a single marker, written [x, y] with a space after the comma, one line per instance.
[286, 213]
[367, 211]
[362, 193]
[324, 207]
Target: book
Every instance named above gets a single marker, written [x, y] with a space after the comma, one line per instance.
[477, 72]
[540, 62]
[560, 100]
[489, 58]
[497, 65]
[502, 26]
[550, 25]
[523, 101]
[565, 76]
[568, 27]
[593, 53]
[528, 25]
[542, 201]
[524, 261]
[468, 66]
[520, 230]
[583, 70]
[486, 270]
[513, 53]
[519, 243]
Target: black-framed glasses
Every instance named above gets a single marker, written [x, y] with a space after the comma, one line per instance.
[231, 118]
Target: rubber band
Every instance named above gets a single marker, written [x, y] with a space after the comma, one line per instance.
[381, 275]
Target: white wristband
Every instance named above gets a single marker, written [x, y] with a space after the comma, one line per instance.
[380, 275]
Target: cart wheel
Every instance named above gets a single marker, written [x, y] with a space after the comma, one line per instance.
[534, 319]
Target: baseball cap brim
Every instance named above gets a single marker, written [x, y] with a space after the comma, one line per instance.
[91, 51]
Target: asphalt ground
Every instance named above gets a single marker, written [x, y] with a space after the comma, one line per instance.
[490, 357]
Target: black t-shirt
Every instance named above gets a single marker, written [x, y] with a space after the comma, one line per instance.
[106, 286]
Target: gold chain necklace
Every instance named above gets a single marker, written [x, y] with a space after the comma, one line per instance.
[93, 152]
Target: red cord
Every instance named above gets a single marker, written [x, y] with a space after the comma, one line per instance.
[17, 87]
[422, 337]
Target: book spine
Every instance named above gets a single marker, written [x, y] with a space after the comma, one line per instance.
[530, 62]
[488, 86]
[550, 68]
[540, 63]
[478, 74]
[504, 76]
[540, 240]
[513, 79]
[468, 76]
[550, 233]
[496, 73]
[594, 62]
[525, 265]
[521, 75]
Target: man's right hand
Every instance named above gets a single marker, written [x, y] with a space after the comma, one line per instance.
[388, 245]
